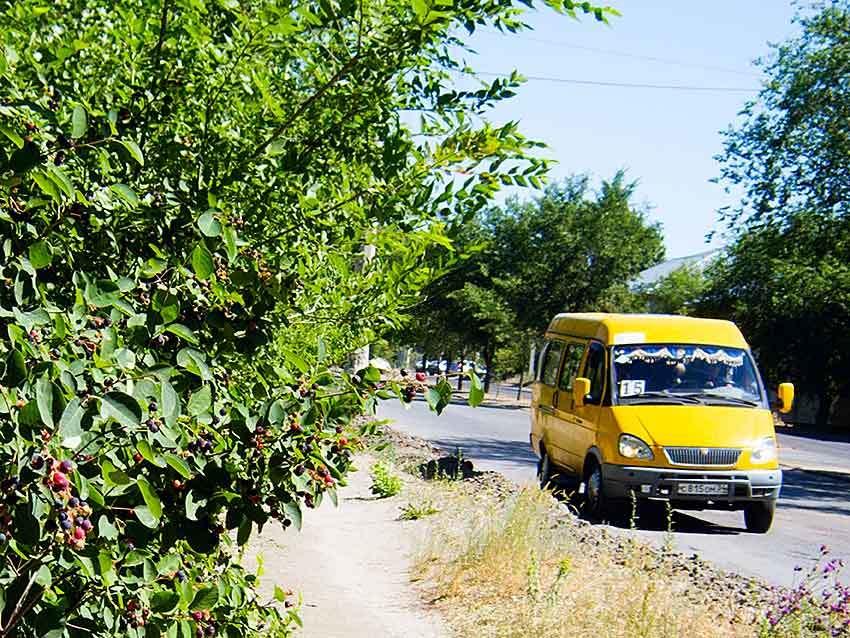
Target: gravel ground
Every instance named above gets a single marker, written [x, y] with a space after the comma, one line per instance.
[749, 595]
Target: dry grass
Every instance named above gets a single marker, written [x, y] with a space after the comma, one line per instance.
[518, 567]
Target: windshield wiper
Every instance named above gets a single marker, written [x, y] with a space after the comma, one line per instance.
[665, 394]
[735, 400]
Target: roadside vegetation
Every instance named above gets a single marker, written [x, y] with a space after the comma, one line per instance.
[187, 194]
[503, 561]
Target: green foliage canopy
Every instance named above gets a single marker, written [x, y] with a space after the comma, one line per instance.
[185, 190]
[786, 278]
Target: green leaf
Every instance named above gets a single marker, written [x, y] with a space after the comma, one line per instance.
[438, 397]
[105, 529]
[168, 564]
[170, 403]
[200, 401]
[126, 358]
[150, 496]
[61, 179]
[195, 362]
[106, 568]
[244, 532]
[202, 261]
[192, 505]
[79, 122]
[16, 139]
[162, 602]
[179, 465]
[295, 359]
[209, 225]
[69, 424]
[148, 454]
[40, 254]
[145, 516]
[183, 332]
[229, 234]
[44, 397]
[121, 407]
[206, 598]
[47, 185]
[134, 151]
[43, 576]
[126, 193]
[476, 391]
[279, 595]
[292, 511]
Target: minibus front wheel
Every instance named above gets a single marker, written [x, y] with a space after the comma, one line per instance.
[594, 490]
[758, 516]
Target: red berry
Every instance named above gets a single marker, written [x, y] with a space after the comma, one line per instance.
[197, 616]
[342, 441]
[79, 533]
[137, 457]
[59, 479]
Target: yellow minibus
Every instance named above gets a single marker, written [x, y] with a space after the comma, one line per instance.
[656, 408]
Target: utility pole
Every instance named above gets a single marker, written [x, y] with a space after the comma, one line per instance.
[362, 355]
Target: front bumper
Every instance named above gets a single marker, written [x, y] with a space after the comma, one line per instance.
[622, 481]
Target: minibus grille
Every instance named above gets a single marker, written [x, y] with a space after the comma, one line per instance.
[702, 456]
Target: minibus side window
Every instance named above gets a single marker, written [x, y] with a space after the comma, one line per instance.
[594, 369]
[572, 361]
[551, 359]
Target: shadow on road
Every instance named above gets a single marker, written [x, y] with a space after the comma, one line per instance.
[816, 435]
[816, 491]
[488, 449]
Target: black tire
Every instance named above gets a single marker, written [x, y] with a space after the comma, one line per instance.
[758, 516]
[595, 503]
[653, 515]
[544, 470]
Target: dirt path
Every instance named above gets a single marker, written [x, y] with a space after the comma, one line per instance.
[351, 565]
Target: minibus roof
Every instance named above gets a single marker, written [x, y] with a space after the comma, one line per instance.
[614, 329]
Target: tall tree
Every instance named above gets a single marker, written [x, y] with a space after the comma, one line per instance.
[567, 250]
[786, 278]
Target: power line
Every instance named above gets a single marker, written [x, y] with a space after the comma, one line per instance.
[626, 85]
[634, 56]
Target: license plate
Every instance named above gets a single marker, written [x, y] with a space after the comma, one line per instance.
[704, 489]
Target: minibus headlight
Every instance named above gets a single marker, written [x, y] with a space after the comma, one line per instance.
[764, 450]
[633, 448]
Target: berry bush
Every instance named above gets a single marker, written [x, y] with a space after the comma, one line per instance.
[186, 188]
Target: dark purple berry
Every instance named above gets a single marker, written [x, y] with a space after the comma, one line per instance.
[67, 466]
[63, 516]
[152, 406]
[79, 520]
[73, 502]
[66, 524]
[37, 462]
[86, 525]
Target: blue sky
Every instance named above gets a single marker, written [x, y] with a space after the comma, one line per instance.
[664, 139]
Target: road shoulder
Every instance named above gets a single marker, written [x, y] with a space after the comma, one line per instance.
[351, 565]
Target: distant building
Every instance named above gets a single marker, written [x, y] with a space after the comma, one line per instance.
[659, 271]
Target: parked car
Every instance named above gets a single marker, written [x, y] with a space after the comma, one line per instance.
[665, 409]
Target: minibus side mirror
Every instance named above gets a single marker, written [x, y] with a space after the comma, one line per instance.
[786, 397]
[581, 388]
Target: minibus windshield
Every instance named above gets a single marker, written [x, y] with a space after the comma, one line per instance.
[685, 374]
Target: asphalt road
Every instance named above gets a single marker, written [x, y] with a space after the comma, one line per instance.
[814, 507]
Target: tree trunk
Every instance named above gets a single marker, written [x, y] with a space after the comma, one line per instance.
[519, 387]
[824, 407]
[460, 375]
[488, 362]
